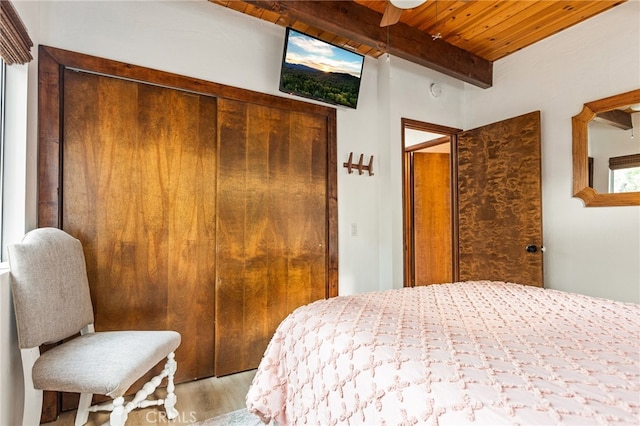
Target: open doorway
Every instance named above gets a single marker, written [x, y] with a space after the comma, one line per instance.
[429, 203]
[494, 193]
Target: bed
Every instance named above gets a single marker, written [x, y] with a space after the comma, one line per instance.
[477, 352]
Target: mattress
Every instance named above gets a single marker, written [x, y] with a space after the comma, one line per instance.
[463, 353]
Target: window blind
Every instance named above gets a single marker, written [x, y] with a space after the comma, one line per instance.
[624, 162]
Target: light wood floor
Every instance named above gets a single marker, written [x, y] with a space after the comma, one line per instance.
[198, 400]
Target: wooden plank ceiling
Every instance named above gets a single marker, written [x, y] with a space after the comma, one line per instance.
[472, 34]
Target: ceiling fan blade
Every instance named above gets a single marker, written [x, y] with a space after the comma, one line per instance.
[391, 15]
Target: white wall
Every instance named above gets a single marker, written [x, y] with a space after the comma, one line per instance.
[593, 250]
[409, 97]
[594, 59]
[206, 41]
[590, 250]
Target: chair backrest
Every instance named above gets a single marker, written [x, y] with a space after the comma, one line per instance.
[50, 287]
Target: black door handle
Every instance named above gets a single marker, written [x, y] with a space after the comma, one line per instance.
[531, 248]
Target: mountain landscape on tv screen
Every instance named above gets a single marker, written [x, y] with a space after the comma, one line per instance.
[336, 88]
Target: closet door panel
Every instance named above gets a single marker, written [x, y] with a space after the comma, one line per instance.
[278, 224]
[308, 209]
[192, 237]
[257, 240]
[231, 219]
[271, 200]
[109, 200]
[137, 160]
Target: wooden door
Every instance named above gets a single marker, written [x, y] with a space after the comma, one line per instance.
[139, 192]
[432, 218]
[500, 202]
[272, 225]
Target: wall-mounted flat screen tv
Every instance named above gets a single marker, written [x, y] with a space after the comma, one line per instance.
[318, 70]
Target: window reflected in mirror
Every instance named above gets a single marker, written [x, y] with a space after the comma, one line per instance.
[624, 173]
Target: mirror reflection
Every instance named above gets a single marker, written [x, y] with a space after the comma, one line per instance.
[606, 151]
[614, 150]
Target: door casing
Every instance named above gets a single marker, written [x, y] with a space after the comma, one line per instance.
[408, 197]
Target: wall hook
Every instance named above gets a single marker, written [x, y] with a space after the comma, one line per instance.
[360, 166]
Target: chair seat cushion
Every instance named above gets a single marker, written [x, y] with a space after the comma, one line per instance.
[105, 363]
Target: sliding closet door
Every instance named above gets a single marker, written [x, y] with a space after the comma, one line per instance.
[272, 225]
[139, 170]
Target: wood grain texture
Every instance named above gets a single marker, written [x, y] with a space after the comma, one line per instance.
[362, 25]
[53, 61]
[499, 198]
[182, 223]
[137, 162]
[75, 60]
[49, 95]
[432, 218]
[272, 225]
[486, 29]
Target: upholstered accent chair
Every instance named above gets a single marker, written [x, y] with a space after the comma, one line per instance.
[52, 303]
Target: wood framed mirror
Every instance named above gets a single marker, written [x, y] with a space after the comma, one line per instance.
[621, 112]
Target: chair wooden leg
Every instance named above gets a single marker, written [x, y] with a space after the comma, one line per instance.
[119, 415]
[32, 407]
[171, 399]
[83, 409]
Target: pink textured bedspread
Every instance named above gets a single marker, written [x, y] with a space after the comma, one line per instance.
[476, 352]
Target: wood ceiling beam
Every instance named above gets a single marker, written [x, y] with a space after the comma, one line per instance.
[615, 118]
[361, 24]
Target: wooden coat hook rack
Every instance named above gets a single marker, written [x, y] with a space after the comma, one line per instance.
[360, 166]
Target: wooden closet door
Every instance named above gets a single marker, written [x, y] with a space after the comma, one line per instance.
[139, 170]
[272, 225]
